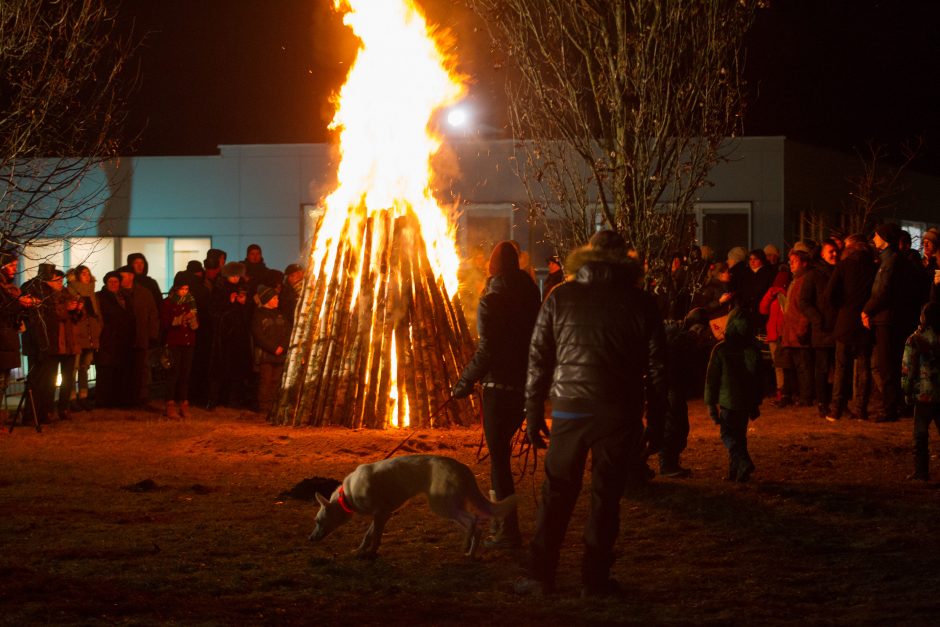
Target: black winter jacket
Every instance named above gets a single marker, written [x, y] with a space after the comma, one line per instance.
[118, 329]
[598, 345]
[816, 307]
[896, 293]
[505, 318]
[848, 290]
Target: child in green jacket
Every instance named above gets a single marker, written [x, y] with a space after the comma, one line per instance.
[920, 382]
[733, 391]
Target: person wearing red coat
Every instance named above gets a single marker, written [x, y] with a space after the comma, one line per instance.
[771, 307]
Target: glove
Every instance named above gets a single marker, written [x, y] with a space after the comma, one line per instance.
[535, 428]
[754, 414]
[462, 389]
[713, 414]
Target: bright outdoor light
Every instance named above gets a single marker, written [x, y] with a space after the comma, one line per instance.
[457, 117]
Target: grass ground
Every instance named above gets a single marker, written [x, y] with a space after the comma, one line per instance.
[829, 531]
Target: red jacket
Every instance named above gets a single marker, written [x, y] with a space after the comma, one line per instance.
[770, 306]
[179, 331]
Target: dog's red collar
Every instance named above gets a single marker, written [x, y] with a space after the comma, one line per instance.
[344, 502]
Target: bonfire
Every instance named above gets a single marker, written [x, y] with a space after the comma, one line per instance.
[380, 335]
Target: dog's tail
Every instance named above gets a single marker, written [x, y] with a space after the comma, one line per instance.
[498, 509]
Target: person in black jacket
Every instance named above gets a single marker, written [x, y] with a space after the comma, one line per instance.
[848, 290]
[13, 308]
[821, 315]
[891, 313]
[598, 351]
[505, 317]
[230, 362]
[114, 361]
[270, 332]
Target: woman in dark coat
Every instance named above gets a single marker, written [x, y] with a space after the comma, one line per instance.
[178, 318]
[113, 363]
[505, 319]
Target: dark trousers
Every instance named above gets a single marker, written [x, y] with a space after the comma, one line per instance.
[140, 377]
[823, 356]
[177, 377]
[199, 378]
[886, 369]
[676, 429]
[924, 415]
[503, 413]
[111, 385]
[803, 366]
[852, 358]
[613, 441]
[733, 430]
[42, 377]
[269, 382]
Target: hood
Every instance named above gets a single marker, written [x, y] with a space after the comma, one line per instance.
[130, 261]
[511, 282]
[77, 287]
[738, 329]
[590, 264]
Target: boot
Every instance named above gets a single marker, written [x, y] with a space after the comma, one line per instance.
[171, 410]
[184, 409]
[781, 400]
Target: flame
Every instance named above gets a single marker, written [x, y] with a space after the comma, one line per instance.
[400, 78]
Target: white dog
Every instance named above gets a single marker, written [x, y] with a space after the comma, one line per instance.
[380, 488]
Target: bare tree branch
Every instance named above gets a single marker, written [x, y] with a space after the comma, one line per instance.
[63, 82]
[620, 109]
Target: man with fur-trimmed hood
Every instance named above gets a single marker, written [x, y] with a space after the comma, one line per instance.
[597, 347]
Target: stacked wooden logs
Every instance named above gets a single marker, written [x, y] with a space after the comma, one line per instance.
[380, 303]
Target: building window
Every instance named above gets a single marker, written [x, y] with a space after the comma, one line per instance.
[165, 255]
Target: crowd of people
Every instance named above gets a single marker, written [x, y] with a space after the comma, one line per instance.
[219, 337]
[850, 325]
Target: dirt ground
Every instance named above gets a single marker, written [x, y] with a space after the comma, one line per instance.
[829, 531]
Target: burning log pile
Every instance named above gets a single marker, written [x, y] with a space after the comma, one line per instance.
[376, 341]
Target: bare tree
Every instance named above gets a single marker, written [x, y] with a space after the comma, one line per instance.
[875, 192]
[62, 87]
[620, 109]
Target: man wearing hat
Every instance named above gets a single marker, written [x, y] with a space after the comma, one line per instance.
[290, 290]
[891, 313]
[52, 327]
[146, 330]
[270, 331]
[556, 276]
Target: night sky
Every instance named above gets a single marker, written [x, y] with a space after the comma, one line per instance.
[832, 73]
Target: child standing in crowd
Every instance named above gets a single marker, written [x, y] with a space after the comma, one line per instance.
[178, 315]
[270, 331]
[920, 382]
[733, 391]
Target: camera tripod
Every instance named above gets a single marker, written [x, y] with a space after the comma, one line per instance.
[21, 408]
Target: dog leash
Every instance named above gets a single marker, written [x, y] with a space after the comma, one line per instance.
[433, 416]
